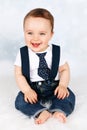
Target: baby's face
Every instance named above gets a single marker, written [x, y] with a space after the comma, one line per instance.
[37, 32]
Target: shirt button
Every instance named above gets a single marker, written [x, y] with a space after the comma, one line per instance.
[39, 83]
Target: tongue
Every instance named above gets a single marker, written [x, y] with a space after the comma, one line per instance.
[35, 45]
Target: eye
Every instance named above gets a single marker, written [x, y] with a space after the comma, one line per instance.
[30, 33]
[42, 34]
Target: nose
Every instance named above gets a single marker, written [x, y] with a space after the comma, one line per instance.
[35, 37]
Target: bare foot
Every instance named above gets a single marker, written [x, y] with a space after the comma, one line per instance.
[44, 116]
[60, 116]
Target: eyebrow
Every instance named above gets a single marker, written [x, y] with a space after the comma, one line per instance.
[39, 31]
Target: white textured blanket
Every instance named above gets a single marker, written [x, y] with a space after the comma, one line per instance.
[12, 119]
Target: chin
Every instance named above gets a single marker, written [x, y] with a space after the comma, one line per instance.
[35, 49]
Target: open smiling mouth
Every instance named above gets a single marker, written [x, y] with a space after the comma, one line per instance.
[36, 44]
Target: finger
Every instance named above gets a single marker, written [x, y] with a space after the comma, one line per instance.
[34, 97]
[61, 95]
[56, 91]
[64, 95]
[26, 100]
[30, 100]
[67, 93]
[34, 100]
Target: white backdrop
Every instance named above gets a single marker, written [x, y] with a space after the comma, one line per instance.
[70, 32]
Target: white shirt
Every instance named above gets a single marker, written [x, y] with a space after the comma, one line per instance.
[34, 63]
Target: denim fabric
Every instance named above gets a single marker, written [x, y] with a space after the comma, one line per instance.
[66, 105]
[28, 108]
[45, 93]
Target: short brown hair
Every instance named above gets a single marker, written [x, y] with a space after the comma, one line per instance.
[40, 12]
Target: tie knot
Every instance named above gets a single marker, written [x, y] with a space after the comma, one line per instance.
[41, 55]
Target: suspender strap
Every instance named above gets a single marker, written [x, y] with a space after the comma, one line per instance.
[55, 61]
[25, 62]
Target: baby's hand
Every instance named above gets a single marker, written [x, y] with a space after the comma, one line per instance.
[61, 92]
[30, 96]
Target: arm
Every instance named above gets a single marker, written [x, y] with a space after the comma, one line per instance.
[29, 94]
[64, 76]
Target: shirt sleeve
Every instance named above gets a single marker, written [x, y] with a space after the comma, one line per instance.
[63, 58]
[18, 60]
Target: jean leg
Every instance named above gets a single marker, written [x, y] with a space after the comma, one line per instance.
[66, 105]
[71, 98]
[28, 108]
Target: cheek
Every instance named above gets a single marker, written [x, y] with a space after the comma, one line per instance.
[48, 39]
[27, 38]
[27, 41]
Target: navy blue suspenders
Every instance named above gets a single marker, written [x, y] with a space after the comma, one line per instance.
[25, 62]
[26, 65]
[55, 61]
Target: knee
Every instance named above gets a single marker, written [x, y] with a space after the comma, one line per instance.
[19, 101]
[17, 106]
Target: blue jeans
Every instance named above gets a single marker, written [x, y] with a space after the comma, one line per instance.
[45, 96]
